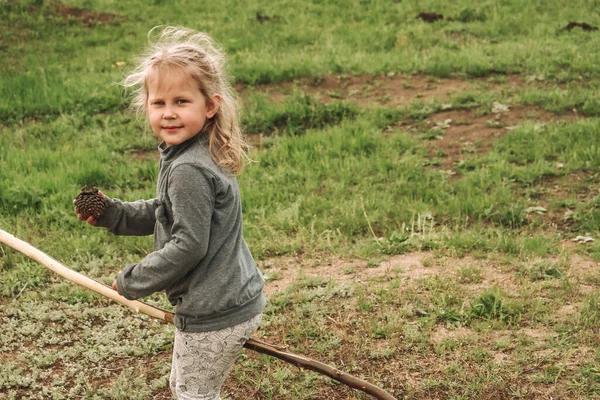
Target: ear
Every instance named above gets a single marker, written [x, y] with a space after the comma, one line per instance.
[213, 105]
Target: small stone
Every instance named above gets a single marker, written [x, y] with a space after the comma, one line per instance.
[537, 209]
[583, 239]
[499, 108]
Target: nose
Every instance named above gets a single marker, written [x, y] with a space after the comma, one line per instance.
[169, 113]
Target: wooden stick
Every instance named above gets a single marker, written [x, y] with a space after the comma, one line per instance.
[152, 311]
[324, 369]
[80, 279]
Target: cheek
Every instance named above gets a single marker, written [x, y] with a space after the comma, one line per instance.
[154, 120]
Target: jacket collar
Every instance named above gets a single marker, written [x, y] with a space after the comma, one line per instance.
[169, 153]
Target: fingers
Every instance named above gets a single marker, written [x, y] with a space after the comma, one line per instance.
[90, 220]
[79, 216]
[115, 287]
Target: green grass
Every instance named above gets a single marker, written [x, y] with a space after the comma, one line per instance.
[457, 275]
[71, 64]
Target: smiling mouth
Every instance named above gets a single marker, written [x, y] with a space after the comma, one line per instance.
[171, 128]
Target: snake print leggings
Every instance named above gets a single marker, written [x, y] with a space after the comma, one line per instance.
[202, 360]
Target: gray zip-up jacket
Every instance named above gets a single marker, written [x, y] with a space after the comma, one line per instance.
[200, 257]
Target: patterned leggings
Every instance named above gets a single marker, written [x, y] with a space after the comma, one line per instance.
[202, 360]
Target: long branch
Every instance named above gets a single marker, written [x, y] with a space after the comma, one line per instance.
[144, 308]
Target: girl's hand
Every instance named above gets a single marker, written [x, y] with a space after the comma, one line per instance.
[90, 220]
[115, 287]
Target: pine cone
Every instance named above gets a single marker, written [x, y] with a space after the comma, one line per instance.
[89, 203]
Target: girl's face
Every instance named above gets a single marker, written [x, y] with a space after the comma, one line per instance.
[177, 110]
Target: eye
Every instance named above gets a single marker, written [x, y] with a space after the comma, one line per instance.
[181, 101]
[157, 103]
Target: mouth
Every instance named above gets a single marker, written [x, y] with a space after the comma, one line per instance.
[171, 129]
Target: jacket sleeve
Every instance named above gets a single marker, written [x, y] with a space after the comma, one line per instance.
[129, 218]
[192, 192]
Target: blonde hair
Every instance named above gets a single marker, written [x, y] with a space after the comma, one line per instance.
[198, 55]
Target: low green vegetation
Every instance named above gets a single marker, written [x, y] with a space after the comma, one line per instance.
[422, 197]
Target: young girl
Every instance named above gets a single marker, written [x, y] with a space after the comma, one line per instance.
[200, 257]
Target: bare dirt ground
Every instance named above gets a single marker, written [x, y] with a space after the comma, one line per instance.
[463, 132]
[412, 267]
[84, 16]
[392, 90]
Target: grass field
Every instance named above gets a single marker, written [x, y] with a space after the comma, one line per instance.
[424, 199]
